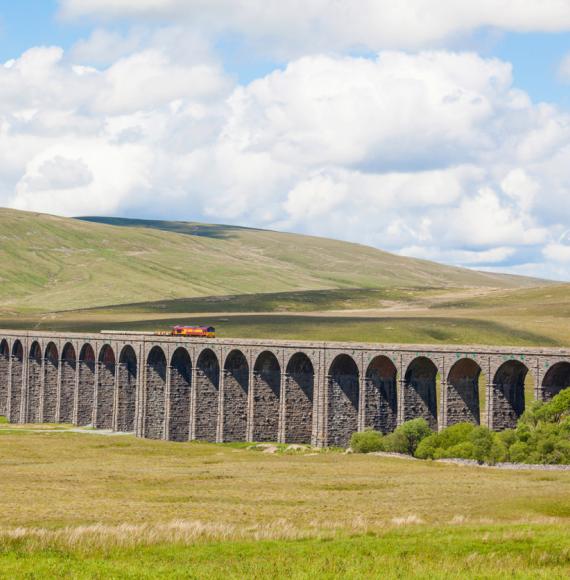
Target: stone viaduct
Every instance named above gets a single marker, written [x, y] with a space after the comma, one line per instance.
[164, 387]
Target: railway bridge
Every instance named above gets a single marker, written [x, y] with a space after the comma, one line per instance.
[180, 389]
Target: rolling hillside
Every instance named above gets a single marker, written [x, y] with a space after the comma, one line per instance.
[51, 263]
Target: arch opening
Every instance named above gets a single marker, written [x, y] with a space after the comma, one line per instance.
[344, 396]
[462, 396]
[85, 386]
[381, 406]
[299, 389]
[127, 389]
[420, 399]
[16, 380]
[4, 376]
[236, 387]
[34, 384]
[207, 396]
[155, 393]
[105, 388]
[51, 370]
[67, 390]
[508, 402]
[556, 379]
[266, 397]
[180, 391]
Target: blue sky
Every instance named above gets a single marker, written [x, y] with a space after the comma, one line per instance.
[430, 128]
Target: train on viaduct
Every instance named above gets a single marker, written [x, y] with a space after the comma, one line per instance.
[222, 390]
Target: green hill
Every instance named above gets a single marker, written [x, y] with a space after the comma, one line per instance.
[51, 263]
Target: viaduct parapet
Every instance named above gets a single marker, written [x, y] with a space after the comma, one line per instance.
[163, 387]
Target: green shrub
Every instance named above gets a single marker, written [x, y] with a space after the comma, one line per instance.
[427, 447]
[463, 450]
[519, 451]
[482, 440]
[366, 441]
[396, 442]
[414, 431]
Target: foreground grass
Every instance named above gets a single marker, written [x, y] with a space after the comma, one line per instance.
[88, 505]
[527, 552]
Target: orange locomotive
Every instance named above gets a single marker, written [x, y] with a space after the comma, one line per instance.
[196, 331]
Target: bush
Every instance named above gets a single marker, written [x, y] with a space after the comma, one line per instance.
[427, 447]
[482, 440]
[396, 442]
[414, 431]
[366, 441]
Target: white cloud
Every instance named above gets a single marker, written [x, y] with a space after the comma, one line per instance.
[434, 154]
[297, 26]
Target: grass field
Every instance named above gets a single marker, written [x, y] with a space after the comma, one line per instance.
[65, 274]
[90, 505]
[51, 263]
[526, 317]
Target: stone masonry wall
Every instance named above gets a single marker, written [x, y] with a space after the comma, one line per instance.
[346, 390]
[85, 392]
[126, 394]
[207, 387]
[50, 390]
[155, 401]
[266, 397]
[299, 389]
[179, 404]
[4, 379]
[34, 390]
[105, 394]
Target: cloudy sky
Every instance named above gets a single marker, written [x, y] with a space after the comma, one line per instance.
[431, 128]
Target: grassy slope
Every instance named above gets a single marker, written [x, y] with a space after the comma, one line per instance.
[225, 511]
[51, 263]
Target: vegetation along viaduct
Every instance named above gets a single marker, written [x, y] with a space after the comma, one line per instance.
[164, 387]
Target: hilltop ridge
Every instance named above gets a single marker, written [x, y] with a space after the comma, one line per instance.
[52, 263]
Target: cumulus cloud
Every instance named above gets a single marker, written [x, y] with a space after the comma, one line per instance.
[296, 26]
[433, 154]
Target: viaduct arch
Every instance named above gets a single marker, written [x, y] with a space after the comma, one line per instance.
[178, 389]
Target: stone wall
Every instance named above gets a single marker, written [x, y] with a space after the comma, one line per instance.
[298, 390]
[206, 396]
[179, 399]
[4, 379]
[287, 391]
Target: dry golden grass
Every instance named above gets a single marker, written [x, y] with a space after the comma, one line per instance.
[91, 506]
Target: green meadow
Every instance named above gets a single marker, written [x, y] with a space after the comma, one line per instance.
[85, 505]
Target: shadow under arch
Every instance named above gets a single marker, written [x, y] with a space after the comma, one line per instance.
[299, 397]
[507, 393]
[85, 395]
[343, 400]
[4, 376]
[236, 389]
[381, 406]
[462, 397]
[155, 385]
[127, 389]
[105, 388]
[420, 393]
[67, 389]
[266, 397]
[33, 413]
[556, 379]
[180, 391]
[207, 396]
[16, 382]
